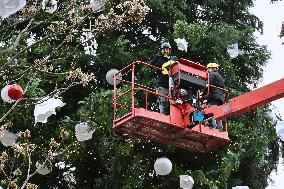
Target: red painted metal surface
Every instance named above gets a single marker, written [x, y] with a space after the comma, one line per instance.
[173, 129]
[159, 128]
[151, 125]
[248, 101]
[186, 69]
[192, 64]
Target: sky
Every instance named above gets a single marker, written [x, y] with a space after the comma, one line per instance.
[272, 16]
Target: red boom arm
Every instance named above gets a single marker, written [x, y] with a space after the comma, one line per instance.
[248, 101]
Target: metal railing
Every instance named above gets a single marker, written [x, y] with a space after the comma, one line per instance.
[135, 87]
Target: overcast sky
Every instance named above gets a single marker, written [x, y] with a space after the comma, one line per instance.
[272, 16]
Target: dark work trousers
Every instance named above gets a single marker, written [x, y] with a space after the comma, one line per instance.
[216, 124]
[164, 105]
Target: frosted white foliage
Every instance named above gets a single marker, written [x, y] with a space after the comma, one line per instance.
[163, 166]
[110, 76]
[181, 44]
[45, 108]
[91, 49]
[89, 42]
[8, 7]
[31, 39]
[186, 182]
[8, 138]
[62, 165]
[83, 132]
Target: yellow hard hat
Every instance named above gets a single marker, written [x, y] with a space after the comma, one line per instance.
[212, 65]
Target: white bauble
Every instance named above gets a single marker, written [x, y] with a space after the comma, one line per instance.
[163, 166]
[110, 76]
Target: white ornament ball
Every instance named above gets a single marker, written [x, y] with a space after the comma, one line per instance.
[83, 132]
[240, 187]
[186, 182]
[163, 166]
[97, 5]
[8, 7]
[233, 50]
[110, 76]
[8, 138]
[4, 94]
[50, 8]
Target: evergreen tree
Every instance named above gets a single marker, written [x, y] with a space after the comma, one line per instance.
[57, 63]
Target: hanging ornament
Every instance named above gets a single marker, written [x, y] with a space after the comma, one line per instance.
[4, 94]
[83, 132]
[97, 5]
[233, 50]
[31, 39]
[110, 76]
[49, 6]
[15, 92]
[280, 130]
[181, 44]
[11, 93]
[7, 138]
[46, 108]
[43, 169]
[91, 49]
[186, 182]
[60, 165]
[89, 42]
[163, 166]
[8, 7]
[240, 187]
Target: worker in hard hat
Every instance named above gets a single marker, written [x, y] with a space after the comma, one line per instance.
[162, 86]
[216, 95]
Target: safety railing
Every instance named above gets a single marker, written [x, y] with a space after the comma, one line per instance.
[128, 95]
[131, 72]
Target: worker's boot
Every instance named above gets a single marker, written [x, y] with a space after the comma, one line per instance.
[219, 125]
[213, 123]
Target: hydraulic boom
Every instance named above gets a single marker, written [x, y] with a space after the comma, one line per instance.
[248, 101]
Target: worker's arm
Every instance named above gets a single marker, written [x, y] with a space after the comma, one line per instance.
[205, 91]
[211, 76]
[155, 60]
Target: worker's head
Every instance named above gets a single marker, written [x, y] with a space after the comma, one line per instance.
[166, 48]
[212, 66]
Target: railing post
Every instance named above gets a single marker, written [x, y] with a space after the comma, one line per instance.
[146, 94]
[132, 87]
[225, 124]
[114, 97]
[178, 84]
